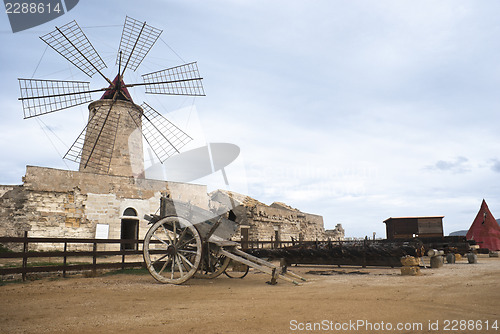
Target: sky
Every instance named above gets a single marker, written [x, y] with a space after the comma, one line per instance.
[355, 110]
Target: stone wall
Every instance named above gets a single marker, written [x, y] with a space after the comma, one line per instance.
[265, 222]
[50, 179]
[61, 203]
[119, 149]
[337, 233]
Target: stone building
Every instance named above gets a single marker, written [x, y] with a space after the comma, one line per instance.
[277, 221]
[61, 203]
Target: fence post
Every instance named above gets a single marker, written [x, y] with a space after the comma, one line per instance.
[25, 255]
[65, 258]
[123, 257]
[94, 260]
[364, 251]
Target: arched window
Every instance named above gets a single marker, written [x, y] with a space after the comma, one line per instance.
[130, 212]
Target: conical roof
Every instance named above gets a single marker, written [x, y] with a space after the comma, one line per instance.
[117, 84]
[484, 229]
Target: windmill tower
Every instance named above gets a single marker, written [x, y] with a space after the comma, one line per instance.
[121, 154]
[111, 142]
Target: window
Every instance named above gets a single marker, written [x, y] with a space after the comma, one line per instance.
[130, 212]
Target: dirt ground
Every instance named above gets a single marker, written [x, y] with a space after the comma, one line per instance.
[346, 299]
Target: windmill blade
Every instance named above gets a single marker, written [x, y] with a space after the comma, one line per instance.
[180, 80]
[163, 136]
[94, 146]
[75, 151]
[71, 43]
[41, 97]
[136, 41]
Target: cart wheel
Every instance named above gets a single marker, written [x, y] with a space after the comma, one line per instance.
[236, 270]
[172, 250]
[212, 264]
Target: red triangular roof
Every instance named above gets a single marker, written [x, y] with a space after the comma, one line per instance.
[485, 229]
[124, 94]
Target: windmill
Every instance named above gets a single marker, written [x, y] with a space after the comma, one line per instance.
[111, 142]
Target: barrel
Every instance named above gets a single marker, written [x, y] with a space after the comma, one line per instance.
[450, 258]
[437, 261]
[472, 258]
[434, 252]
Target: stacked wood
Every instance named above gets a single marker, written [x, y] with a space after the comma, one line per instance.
[410, 266]
[367, 253]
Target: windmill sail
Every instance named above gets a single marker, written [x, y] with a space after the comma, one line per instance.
[71, 43]
[180, 80]
[111, 143]
[41, 97]
[162, 135]
[137, 39]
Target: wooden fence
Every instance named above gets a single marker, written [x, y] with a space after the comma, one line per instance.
[95, 254]
[65, 267]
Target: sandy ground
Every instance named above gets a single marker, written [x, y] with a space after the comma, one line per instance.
[382, 298]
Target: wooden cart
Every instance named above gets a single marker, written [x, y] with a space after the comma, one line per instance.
[185, 241]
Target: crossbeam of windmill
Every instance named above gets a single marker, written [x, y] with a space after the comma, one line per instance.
[109, 88]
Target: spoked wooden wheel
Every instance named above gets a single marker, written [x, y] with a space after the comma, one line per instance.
[212, 264]
[172, 250]
[236, 270]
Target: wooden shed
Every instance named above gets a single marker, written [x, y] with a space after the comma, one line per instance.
[411, 227]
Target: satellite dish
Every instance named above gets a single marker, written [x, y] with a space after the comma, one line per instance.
[202, 161]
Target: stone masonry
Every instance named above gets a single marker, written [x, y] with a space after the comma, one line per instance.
[62, 203]
[271, 222]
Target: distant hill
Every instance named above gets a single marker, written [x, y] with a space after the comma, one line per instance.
[464, 232]
[458, 233]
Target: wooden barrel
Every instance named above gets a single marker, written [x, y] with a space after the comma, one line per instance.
[450, 258]
[434, 252]
[472, 258]
[437, 261]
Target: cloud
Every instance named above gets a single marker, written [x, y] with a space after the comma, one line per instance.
[495, 166]
[357, 111]
[457, 166]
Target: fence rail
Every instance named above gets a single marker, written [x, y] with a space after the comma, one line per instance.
[252, 244]
[25, 268]
[95, 254]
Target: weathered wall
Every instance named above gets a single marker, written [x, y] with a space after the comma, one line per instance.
[337, 233]
[265, 221]
[50, 179]
[14, 219]
[288, 223]
[60, 203]
[120, 141]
